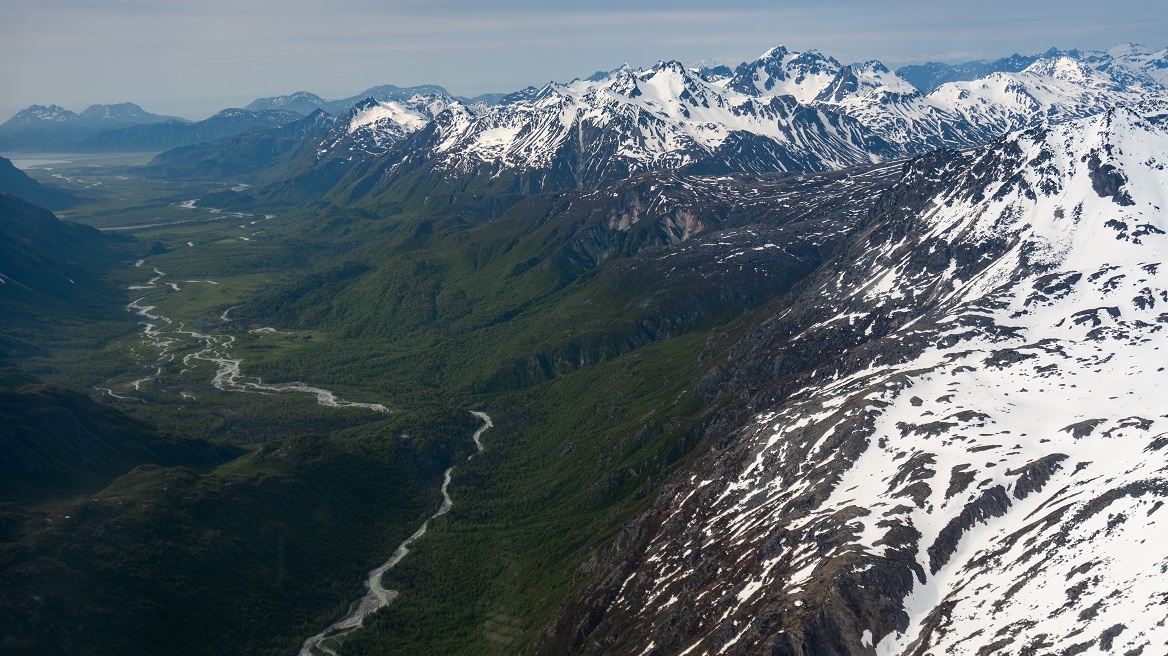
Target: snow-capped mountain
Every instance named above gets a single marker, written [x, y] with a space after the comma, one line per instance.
[593, 131]
[94, 116]
[372, 126]
[957, 441]
[804, 75]
[1130, 63]
[965, 113]
[37, 114]
[786, 111]
[1125, 63]
[892, 108]
[927, 77]
[1057, 89]
[305, 102]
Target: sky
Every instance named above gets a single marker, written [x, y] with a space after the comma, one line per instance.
[191, 58]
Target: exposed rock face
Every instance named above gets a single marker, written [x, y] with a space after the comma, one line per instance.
[930, 451]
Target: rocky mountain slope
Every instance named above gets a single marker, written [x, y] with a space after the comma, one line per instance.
[956, 443]
[784, 112]
[49, 261]
[18, 183]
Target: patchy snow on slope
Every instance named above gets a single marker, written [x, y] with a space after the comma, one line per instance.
[998, 486]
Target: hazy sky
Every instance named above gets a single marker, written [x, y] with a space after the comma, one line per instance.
[193, 57]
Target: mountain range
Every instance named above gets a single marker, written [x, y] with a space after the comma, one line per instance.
[795, 357]
[306, 102]
[1134, 60]
[50, 128]
[912, 109]
[784, 112]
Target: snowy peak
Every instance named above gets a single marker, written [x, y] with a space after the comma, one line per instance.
[600, 76]
[1139, 61]
[1061, 68]
[668, 116]
[373, 126]
[803, 75]
[408, 116]
[94, 117]
[1130, 52]
[1058, 88]
[668, 87]
[44, 114]
[305, 103]
[1129, 65]
[867, 79]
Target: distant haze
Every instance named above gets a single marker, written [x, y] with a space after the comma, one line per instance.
[193, 58]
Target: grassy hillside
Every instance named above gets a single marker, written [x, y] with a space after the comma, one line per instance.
[578, 321]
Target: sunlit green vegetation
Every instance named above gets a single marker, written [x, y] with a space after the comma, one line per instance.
[424, 309]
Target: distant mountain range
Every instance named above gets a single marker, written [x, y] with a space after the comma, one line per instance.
[304, 102]
[786, 111]
[172, 134]
[1137, 59]
[755, 116]
[125, 127]
[54, 128]
[94, 116]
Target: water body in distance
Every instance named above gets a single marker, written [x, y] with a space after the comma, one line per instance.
[26, 161]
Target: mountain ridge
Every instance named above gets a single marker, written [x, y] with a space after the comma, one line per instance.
[856, 512]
